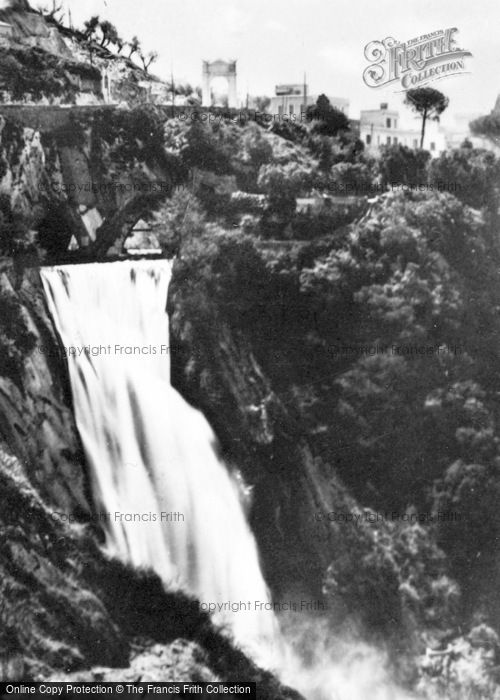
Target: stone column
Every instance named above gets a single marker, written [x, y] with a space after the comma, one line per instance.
[206, 98]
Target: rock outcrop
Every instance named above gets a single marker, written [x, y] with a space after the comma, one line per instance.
[68, 609]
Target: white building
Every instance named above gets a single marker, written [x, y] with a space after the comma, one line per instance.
[293, 100]
[382, 127]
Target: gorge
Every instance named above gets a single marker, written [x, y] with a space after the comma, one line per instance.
[255, 307]
[151, 456]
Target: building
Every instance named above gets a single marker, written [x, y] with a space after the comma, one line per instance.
[294, 98]
[382, 127]
[219, 69]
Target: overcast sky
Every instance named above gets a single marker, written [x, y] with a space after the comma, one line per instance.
[276, 41]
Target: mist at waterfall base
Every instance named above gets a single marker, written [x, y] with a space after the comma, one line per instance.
[150, 452]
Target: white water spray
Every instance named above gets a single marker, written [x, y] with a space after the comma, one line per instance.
[171, 504]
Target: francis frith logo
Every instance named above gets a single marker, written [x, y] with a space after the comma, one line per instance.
[416, 62]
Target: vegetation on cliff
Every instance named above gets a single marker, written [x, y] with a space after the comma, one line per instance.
[346, 355]
[32, 74]
[378, 342]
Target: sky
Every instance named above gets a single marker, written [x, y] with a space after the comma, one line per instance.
[277, 41]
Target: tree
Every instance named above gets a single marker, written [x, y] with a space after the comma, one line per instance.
[256, 150]
[282, 184]
[262, 103]
[148, 59]
[351, 178]
[179, 218]
[203, 149]
[402, 165]
[429, 103]
[134, 46]
[488, 126]
[89, 32]
[109, 33]
[49, 15]
[471, 174]
[330, 119]
[91, 26]
[120, 44]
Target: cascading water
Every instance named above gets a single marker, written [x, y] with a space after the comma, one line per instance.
[169, 503]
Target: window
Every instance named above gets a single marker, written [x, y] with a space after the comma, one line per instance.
[388, 140]
[368, 139]
[415, 143]
[395, 140]
[433, 146]
[388, 122]
[280, 110]
[290, 109]
[395, 123]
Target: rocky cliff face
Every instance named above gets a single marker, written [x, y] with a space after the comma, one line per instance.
[220, 375]
[43, 61]
[66, 608]
[37, 422]
[64, 183]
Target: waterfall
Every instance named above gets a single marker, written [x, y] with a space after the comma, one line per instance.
[168, 502]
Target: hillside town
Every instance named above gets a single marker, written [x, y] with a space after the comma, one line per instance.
[103, 69]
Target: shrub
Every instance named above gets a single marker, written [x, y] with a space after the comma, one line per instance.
[401, 165]
[179, 219]
[282, 184]
[472, 174]
[351, 178]
[328, 119]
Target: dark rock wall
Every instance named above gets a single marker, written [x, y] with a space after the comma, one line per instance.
[36, 418]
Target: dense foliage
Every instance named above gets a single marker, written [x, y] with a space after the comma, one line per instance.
[35, 74]
[328, 119]
[386, 334]
[488, 126]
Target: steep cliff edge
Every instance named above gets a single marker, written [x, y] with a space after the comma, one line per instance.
[66, 608]
[85, 175]
[37, 422]
[43, 61]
